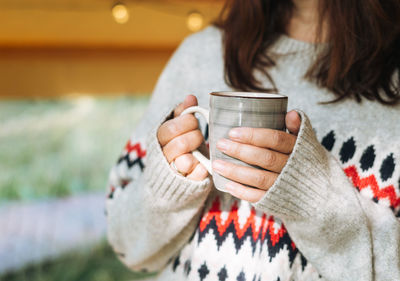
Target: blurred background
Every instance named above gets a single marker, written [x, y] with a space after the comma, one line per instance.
[75, 78]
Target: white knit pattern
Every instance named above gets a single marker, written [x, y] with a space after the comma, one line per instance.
[332, 214]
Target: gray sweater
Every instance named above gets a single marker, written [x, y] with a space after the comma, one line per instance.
[332, 214]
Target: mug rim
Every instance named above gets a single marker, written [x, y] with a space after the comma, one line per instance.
[249, 95]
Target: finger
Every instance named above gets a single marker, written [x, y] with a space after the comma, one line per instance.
[199, 173]
[261, 137]
[293, 122]
[186, 163]
[182, 144]
[246, 175]
[190, 100]
[262, 157]
[240, 191]
[176, 127]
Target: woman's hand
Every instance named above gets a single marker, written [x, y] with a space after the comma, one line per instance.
[178, 137]
[265, 148]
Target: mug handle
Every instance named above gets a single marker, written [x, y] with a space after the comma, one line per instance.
[206, 114]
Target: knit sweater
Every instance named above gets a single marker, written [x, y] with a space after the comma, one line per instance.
[332, 214]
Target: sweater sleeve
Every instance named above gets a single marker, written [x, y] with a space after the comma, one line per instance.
[345, 235]
[151, 210]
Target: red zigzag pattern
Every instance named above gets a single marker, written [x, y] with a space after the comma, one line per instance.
[361, 183]
[140, 153]
[265, 225]
[268, 224]
[129, 147]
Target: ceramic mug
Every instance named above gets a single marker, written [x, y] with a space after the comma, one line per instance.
[237, 109]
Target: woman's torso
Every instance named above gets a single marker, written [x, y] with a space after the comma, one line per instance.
[233, 241]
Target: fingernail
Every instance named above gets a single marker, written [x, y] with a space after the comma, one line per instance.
[223, 145]
[218, 166]
[235, 133]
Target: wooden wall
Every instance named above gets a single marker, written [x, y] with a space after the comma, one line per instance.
[61, 47]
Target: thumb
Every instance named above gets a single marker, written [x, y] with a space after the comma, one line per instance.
[190, 100]
[293, 122]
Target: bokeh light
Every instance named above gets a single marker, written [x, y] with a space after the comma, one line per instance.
[120, 13]
[195, 21]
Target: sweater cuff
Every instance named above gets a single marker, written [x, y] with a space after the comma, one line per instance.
[301, 186]
[163, 181]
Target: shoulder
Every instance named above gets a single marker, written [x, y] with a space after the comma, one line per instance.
[200, 55]
[197, 66]
[211, 35]
[205, 43]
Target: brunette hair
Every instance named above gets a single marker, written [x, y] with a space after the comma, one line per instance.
[362, 60]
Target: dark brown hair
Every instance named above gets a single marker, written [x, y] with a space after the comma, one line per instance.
[362, 60]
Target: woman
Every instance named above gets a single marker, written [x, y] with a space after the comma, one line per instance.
[327, 205]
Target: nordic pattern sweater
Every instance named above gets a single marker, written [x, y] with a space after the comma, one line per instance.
[332, 214]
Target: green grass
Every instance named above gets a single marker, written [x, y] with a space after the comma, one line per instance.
[57, 148]
[98, 264]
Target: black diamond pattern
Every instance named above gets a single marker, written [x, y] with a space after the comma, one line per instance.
[387, 167]
[222, 274]
[203, 271]
[367, 158]
[241, 276]
[176, 263]
[187, 267]
[347, 151]
[328, 141]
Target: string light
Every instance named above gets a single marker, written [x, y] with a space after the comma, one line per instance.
[120, 13]
[195, 21]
